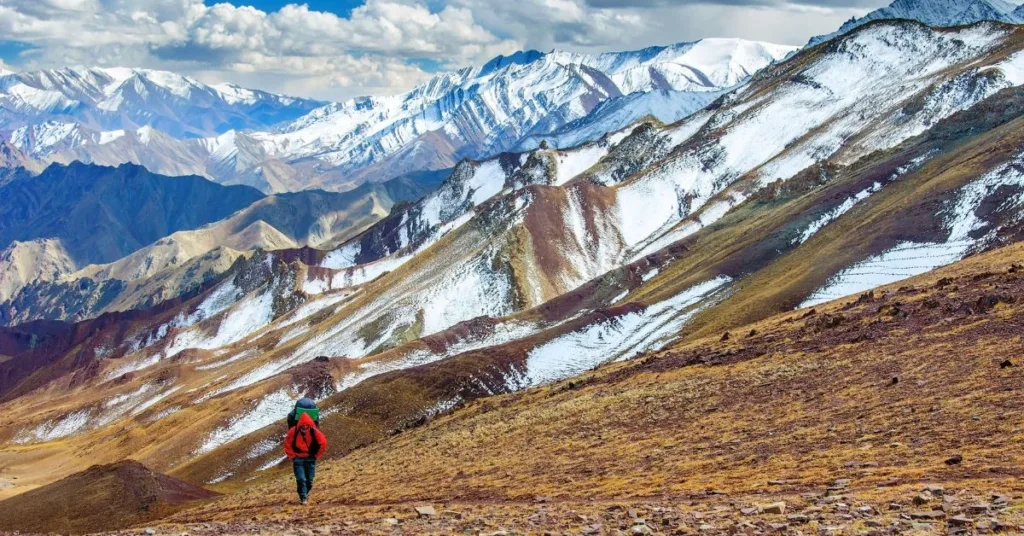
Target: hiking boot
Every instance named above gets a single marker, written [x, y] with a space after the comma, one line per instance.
[303, 500]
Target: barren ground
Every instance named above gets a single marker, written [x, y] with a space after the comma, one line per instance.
[847, 413]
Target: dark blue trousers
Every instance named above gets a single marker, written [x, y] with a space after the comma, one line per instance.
[305, 472]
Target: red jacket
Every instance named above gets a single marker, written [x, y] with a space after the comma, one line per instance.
[305, 440]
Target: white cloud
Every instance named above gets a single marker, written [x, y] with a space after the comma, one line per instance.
[312, 52]
[299, 51]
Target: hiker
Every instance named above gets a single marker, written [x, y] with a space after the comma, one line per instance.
[304, 445]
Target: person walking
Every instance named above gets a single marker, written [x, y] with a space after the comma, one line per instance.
[304, 444]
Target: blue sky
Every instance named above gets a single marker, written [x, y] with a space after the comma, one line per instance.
[339, 7]
[340, 49]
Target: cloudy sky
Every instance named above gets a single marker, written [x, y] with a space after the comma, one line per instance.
[342, 48]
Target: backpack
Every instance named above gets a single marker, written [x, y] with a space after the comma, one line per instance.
[307, 406]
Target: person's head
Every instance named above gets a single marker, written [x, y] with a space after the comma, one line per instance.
[305, 422]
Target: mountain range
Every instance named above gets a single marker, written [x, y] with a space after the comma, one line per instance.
[117, 99]
[174, 125]
[670, 232]
[80, 240]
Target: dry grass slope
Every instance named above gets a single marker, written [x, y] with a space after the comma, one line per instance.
[880, 391]
[104, 497]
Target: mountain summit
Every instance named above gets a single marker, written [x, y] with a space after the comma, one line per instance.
[941, 13]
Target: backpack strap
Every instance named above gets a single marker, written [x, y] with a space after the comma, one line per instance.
[314, 444]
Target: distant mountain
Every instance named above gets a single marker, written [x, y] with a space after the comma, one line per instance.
[939, 13]
[482, 111]
[112, 99]
[101, 214]
[13, 162]
[475, 112]
[40, 280]
[231, 158]
[611, 115]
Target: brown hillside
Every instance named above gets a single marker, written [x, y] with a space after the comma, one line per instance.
[103, 497]
[875, 398]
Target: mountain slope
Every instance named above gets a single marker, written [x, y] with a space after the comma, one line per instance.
[846, 413]
[118, 99]
[22, 263]
[104, 497]
[523, 269]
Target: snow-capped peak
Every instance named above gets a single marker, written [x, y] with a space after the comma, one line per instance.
[941, 13]
[122, 98]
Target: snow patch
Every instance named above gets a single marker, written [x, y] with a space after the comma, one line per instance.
[272, 463]
[1012, 68]
[835, 213]
[572, 163]
[109, 136]
[619, 337]
[246, 317]
[908, 259]
[65, 426]
[269, 409]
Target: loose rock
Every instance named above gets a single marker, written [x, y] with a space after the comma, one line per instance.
[426, 511]
[961, 521]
